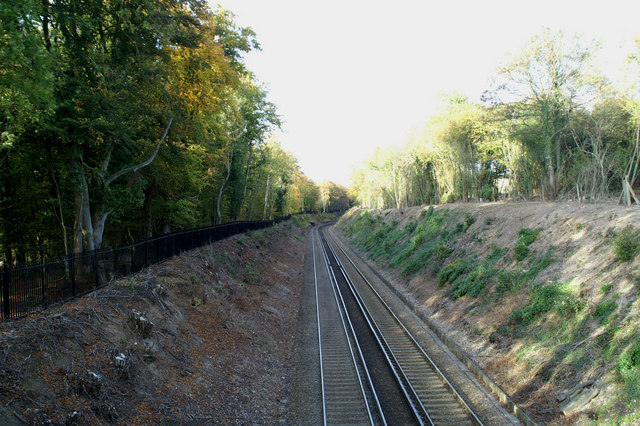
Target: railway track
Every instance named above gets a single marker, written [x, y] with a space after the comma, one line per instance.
[373, 370]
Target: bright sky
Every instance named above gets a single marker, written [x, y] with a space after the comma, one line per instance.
[348, 76]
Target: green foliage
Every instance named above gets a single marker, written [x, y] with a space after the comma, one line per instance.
[605, 289]
[556, 297]
[474, 283]
[526, 237]
[496, 253]
[487, 192]
[626, 244]
[630, 358]
[453, 270]
[604, 310]
[88, 93]
[410, 227]
[425, 214]
[441, 251]
[469, 219]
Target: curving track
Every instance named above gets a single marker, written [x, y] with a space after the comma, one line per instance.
[358, 332]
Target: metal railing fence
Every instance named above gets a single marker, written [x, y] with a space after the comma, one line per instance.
[31, 288]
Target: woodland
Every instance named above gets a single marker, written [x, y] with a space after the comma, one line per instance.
[123, 120]
[549, 126]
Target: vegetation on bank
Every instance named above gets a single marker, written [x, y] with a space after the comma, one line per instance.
[559, 330]
[125, 120]
[549, 126]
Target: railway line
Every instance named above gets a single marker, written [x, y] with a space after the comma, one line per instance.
[373, 370]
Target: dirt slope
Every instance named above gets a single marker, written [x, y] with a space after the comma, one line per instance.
[564, 315]
[203, 337]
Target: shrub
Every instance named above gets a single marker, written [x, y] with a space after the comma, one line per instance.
[453, 270]
[521, 251]
[496, 253]
[441, 251]
[474, 283]
[410, 227]
[487, 192]
[469, 219]
[424, 214]
[626, 244]
[605, 289]
[604, 310]
[526, 237]
[558, 297]
[630, 358]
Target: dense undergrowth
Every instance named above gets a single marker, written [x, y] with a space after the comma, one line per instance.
[557, 329]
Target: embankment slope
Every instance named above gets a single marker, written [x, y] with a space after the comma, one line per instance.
[204, 337]
[543, 296]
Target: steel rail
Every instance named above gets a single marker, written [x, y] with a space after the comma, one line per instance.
[473, 417]
[418, 410]
[339, 403]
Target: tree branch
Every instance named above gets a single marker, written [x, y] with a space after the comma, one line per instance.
[143, 164]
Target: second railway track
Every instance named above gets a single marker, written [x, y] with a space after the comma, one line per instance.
[408, 374]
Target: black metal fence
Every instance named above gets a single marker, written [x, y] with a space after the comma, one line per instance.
[32, 288]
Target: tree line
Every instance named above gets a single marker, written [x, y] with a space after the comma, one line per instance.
[550, 126]
[121, 120]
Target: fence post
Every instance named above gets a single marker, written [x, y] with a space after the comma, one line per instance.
[146, 252]
[73, 274]
[43, 277]
[5, 292]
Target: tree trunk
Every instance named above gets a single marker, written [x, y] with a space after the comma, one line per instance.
[552, 179]
[64, 228]
[246, 182]
[147, 212]
[87, 223]
[98, 229]
[221, 191]
[266, 198]
[77, 224]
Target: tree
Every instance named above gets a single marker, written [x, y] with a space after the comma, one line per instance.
[541, 86]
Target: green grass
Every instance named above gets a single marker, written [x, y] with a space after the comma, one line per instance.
[555, 297]
[453, 270]
[605, 289]
[474, 283]
[626, 244]
[512, 280]
[526, 237]
[630, 357]
[604, 310]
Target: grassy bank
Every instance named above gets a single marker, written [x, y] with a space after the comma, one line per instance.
[546, 294]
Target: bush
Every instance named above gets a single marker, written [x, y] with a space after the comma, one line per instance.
[424, 214]
[441, 251]
[526, 237]
[630, 358]
[487, 192]
[605, 289]
[604, 310]
[521, 251]
[474, 283]
[453, 270]
[626, 244]
[558, 297]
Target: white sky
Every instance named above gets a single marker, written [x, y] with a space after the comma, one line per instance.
[350, 75]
